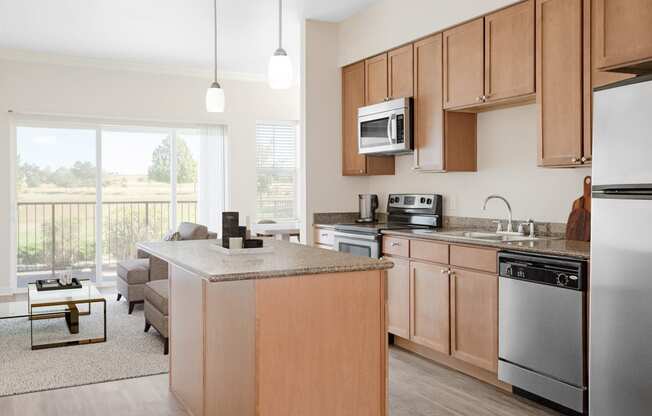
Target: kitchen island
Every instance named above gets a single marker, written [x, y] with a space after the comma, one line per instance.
[296, 331]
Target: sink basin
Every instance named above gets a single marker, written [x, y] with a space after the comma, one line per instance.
[480, 236]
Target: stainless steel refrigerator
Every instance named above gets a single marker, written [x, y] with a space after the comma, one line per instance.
[620, 341]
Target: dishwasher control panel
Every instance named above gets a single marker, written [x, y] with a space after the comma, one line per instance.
[548, 270]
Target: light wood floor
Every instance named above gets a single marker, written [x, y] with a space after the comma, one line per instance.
[417, 388]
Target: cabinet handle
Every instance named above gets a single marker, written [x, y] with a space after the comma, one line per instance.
[324, 235]
[479, 99]
[395, 244]
[586, 158]
[444, 271]
[574, 160]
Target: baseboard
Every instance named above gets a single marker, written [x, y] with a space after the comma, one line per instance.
[6, 291]
[451, 362]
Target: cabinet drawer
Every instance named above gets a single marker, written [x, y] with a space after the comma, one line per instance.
[324, 236]
[429, 251]
[396, 246]
[474, 258]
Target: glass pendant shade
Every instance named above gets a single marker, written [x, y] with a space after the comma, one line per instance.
[215, 99]
[279, 71]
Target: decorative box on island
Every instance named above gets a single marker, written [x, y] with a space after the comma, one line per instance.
[233, 232]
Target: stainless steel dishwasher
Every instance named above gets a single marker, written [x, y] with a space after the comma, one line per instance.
[542, 328]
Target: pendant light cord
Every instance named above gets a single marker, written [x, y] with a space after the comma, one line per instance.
[280, 24]
[215, 39]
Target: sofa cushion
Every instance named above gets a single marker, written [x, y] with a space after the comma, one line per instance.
[190, 231]
[134, 271]
[156, 293]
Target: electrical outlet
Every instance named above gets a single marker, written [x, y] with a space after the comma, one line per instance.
[450, 203]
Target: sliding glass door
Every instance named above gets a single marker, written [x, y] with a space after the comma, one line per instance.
[151, 179]
[56, 196]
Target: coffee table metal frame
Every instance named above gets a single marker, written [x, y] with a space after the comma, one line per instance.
[71, 314]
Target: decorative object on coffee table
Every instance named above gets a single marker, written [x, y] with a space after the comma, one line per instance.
[57, 284]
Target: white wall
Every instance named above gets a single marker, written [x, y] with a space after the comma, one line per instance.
[507, 139]
[507, 165]
[390, 23]
[326, 189]
[27, 87]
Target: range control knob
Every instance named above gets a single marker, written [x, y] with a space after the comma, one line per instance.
[429, 201]
[562, 279]
[508, 270]
[423, 200]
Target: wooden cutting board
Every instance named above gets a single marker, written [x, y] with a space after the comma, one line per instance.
[578, 226]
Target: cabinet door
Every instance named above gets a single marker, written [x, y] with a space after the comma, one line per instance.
[429, 306]
[401, 63]
[623, 33]
[376, 79]
[559, 81]
[593, 77]
[353, 97]
[509, 52]
[464, 64]
[398, 298]
[474, 317]
[428, 101]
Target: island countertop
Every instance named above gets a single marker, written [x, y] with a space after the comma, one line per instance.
[201, 257]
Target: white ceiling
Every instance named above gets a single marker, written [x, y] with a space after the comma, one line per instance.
[166, 32]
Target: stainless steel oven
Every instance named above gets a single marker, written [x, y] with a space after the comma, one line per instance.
[385, 128]
[358, 244]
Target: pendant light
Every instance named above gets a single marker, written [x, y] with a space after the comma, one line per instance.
[279, 71]
[215, 93]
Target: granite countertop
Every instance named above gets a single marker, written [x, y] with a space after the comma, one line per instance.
[326, 226]
[551, 246]
[202, 257]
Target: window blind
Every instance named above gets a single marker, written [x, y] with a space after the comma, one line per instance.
[276, 171]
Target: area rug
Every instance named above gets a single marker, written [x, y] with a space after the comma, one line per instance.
[129, 351]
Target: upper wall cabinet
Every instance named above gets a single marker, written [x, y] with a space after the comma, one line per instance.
[376, 79]
[400, 65]
[509, 52]
[464, 64]
[353, 97]
[353, 90]
[623, 40]
[443, 140]
[559, 81]
[491, 60]
[389, 75]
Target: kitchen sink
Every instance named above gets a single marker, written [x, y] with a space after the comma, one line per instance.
[480, 236]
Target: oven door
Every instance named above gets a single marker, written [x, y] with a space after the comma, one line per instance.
[383, 133]
[364, 245]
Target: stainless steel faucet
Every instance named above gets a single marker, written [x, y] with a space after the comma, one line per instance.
[510, 229]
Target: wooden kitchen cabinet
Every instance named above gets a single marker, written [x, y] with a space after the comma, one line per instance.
[474, 317]
[464, 64]
[376, 79]
[435, 147]
[429, 306]
[398, 298]
[509, 52]
[353, 97]
[623, 40]
[559, 64]
[400, 66]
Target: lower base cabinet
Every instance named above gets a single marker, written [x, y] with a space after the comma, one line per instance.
[398, 298]
[447, 308]
[430, 306]
[474, 318]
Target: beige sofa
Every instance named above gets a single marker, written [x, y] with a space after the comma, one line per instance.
[133, 274]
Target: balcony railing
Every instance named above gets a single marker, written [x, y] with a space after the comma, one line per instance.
[57, 235]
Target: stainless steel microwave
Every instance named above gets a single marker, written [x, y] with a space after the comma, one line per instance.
[385, 128]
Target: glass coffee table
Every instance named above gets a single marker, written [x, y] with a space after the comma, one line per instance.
[56, 304]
